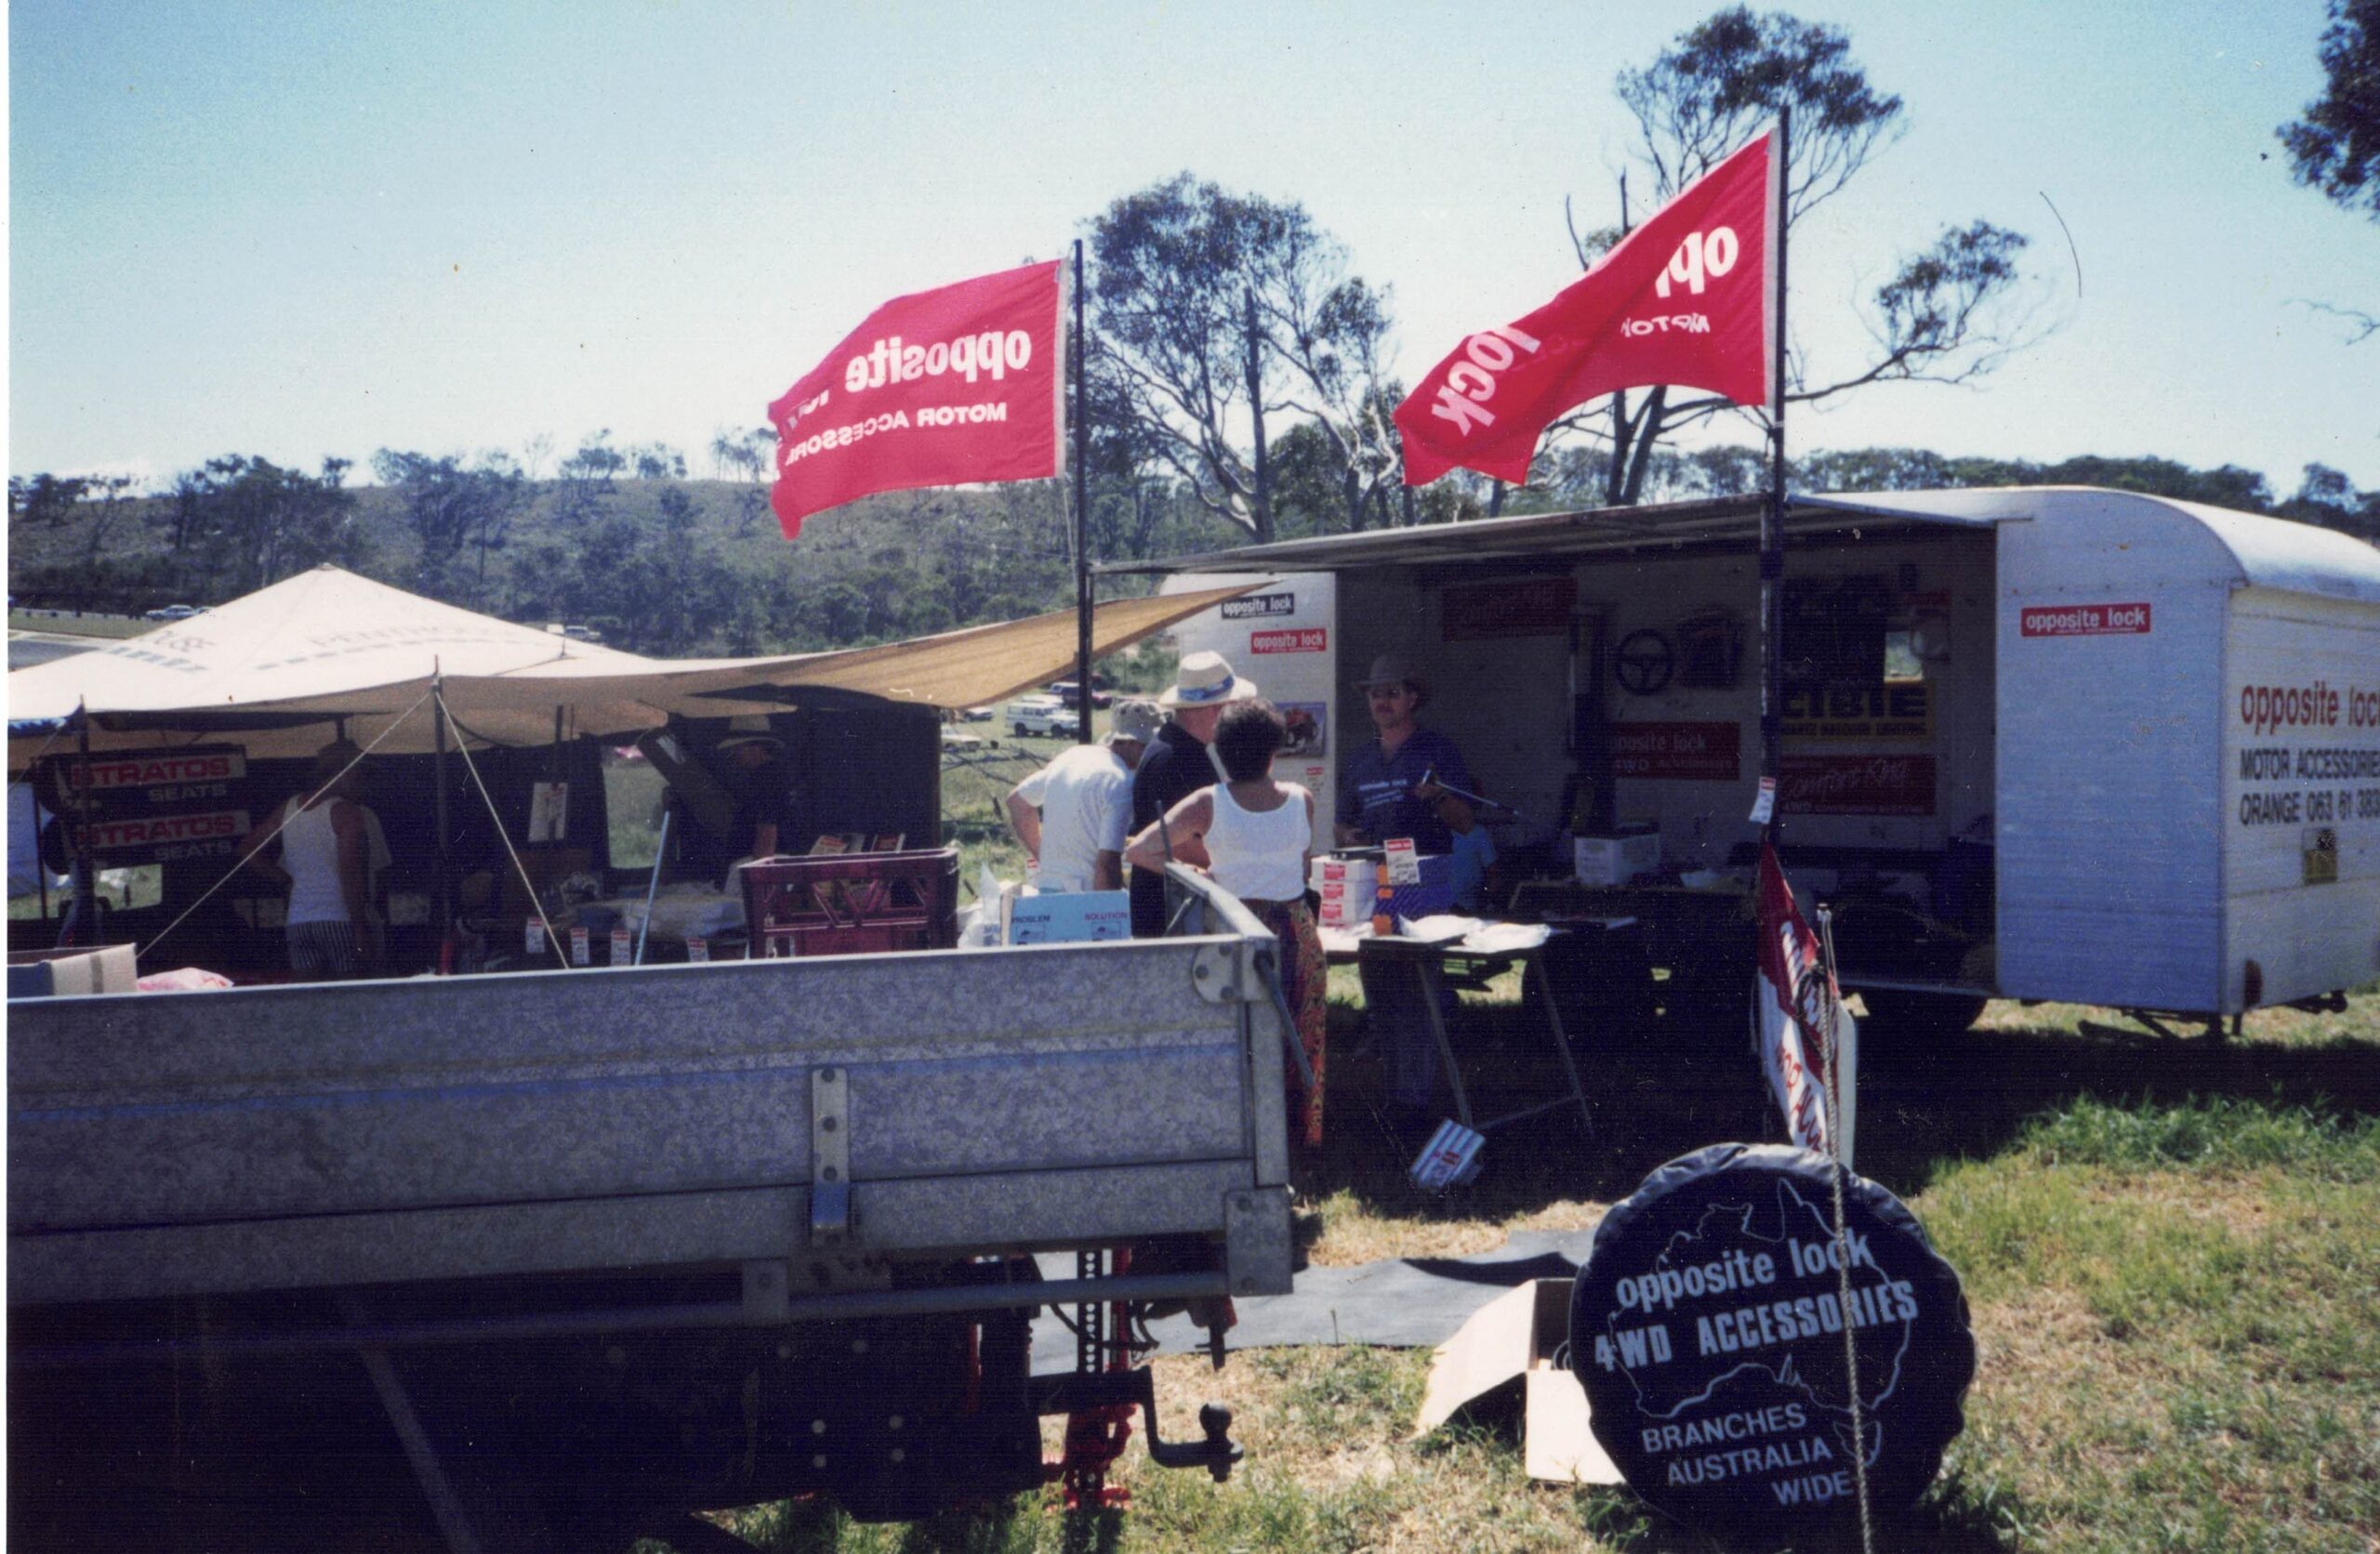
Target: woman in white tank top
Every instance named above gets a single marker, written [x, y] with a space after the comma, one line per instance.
[1255, 835]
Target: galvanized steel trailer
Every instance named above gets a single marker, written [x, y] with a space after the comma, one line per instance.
[2058, 743]
[614, 1243]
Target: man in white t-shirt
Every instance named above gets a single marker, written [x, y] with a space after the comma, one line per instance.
[1073, 814]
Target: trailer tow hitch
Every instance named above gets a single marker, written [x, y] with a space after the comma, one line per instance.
[1076, 1393]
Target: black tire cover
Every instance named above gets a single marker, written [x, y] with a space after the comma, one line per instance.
[1720, 1393]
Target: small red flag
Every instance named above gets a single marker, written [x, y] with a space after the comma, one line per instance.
[955, 386]
[1798, 1006]
[1683, 299]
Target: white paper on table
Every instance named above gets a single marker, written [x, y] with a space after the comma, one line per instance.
[1504, 938]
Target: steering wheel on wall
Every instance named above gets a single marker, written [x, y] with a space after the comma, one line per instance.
[1643, 662]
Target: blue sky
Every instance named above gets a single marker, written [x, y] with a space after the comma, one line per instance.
[306, 230]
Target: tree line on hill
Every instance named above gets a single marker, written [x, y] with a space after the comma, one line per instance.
[674, 566]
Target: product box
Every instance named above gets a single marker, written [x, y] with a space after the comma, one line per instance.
[1620, 857]
[1508, 1357]
[70, 973]
[1351, 901]
[1434, 895]
[1359, 874]
[1068, 918]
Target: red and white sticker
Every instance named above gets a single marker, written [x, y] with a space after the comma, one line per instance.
[1307, 639]
[156, 771]
[2085, 620]
[163, 830]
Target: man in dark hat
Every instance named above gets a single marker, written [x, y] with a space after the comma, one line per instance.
[759, 788]
[1396, 785]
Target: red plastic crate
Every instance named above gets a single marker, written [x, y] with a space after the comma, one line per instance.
[852, 903]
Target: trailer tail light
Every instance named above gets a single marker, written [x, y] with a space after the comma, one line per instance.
[2252, 983]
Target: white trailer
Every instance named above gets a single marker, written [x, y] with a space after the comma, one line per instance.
[2054, 743]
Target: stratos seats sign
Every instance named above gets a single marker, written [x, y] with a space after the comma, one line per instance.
[955, 386]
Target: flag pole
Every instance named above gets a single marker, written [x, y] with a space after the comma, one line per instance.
[1082, 518]
[1772, 516]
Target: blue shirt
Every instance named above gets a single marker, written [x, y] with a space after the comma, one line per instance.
[1376, 791]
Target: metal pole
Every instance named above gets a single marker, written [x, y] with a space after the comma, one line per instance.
[1082, 518]
[86, 916]
[438, 786]
[1772, 516]
[653, 885]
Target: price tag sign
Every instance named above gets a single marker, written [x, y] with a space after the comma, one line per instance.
[1765, 804]
[698, 948]
[623, 947]
[532, 937]
[1404, 864]
[579, 955]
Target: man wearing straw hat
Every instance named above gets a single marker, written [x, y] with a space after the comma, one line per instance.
[756, 783]
[1178, 765]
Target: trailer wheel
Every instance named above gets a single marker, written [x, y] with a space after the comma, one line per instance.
[1900, 1017]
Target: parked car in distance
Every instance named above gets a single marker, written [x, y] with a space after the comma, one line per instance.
[1040, 714]
[177, 611]
[1066, 692]
[978, 715]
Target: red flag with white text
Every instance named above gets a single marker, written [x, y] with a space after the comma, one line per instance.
[1798, 1006]
[957, 386]
[1687, 299]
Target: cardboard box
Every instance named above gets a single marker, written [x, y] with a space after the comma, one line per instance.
[1434, 895]
[1067, 917]
[71, 973]
[1618, 858]
[1359, 875]
[1503, 1357]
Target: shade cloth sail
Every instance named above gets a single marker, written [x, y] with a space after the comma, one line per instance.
[286, 666]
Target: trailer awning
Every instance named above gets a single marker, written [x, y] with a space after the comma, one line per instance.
[1727, 522]
[327, 650]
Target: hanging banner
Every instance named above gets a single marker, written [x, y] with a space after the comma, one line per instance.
[157, 806]
[1798, 1004]
[957, 386]
[1684, 299]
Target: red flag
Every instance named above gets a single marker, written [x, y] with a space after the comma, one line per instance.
[1798, 1006]
[948, 387]
[1684, 299]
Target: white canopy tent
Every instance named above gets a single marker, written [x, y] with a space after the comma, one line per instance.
[325, 652]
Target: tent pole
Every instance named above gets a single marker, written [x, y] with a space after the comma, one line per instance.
[446, 859]
[1772, 515]
[85, 918]
[1082, 520]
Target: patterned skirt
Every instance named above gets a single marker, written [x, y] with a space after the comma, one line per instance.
[1303, 980]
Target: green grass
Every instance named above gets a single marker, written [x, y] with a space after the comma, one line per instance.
[2171, 1248]
[77, 625]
